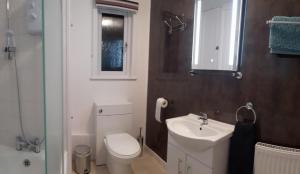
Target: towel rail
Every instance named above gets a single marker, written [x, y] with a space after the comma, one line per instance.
[282, 22]
[248, 106]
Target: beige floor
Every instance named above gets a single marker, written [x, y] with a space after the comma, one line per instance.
[146, 164]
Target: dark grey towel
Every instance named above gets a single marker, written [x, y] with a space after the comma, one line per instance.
[242, 148]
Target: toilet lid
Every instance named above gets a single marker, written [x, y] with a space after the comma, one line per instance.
[123, 144]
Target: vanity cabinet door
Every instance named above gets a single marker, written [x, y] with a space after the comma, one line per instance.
[193, 166]
[175, 160]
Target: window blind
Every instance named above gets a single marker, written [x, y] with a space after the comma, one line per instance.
[118, 4]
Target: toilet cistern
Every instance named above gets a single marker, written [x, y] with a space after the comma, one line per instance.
[115, 145]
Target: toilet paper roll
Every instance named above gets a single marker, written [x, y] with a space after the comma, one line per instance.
[160, 103]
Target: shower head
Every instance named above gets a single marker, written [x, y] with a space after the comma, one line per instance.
[10, 44]
[8, 13]
[7, 4]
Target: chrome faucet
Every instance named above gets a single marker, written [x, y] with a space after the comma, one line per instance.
[204, 117]
[22, 144]
[35, 145]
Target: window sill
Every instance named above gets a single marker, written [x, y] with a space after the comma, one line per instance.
[114, 78]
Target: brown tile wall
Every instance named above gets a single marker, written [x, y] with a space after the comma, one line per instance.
[271, 82]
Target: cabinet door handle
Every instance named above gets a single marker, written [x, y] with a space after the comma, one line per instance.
[178, 166]
[188, 169]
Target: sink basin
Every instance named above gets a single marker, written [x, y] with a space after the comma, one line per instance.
[186, 131]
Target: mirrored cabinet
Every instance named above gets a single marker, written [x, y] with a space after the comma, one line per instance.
[218, 34]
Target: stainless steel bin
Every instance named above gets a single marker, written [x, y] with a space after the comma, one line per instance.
[82, 159]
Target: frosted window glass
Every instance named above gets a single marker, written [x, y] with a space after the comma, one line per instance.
[112, 42]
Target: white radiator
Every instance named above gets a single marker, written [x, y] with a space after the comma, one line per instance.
[271, 159]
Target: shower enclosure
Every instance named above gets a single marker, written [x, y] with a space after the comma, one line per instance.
[31, 139]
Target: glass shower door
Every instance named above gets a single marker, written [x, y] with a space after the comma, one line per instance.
[22, 110]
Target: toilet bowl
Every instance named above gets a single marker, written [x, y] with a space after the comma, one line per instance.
[122, 149]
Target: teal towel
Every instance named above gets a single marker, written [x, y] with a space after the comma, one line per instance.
[285, 38]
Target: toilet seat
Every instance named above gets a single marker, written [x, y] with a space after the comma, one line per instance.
[122, 145]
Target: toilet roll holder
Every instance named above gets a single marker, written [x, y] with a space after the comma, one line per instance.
[160, 103]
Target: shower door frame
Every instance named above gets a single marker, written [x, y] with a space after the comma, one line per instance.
[57, 124]
[67, 118]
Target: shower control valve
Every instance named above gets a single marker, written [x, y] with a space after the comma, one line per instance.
[10, 49]
[20, 143]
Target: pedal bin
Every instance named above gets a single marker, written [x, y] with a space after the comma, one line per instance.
[82, 159]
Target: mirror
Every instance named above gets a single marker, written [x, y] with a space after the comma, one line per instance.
[217, 37]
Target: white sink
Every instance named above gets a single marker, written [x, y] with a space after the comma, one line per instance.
[186, 131]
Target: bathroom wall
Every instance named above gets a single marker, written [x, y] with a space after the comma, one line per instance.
[82, 91]
[271, 82]
[29, 63]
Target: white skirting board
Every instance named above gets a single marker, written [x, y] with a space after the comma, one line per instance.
[157, 157]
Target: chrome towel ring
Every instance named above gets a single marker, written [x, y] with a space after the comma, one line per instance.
[248, 106]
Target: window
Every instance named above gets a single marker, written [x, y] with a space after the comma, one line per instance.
[112, 45]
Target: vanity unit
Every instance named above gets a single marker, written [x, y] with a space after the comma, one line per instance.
[194, 148]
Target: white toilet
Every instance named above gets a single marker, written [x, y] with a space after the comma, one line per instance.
[122, 149]
[115, 147]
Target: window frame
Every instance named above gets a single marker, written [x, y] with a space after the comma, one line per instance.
[97, 73]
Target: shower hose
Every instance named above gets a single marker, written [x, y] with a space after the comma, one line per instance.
[20, 109]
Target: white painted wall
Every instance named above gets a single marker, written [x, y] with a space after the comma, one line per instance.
[82, 91]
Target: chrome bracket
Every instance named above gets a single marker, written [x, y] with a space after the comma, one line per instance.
[238, 75]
